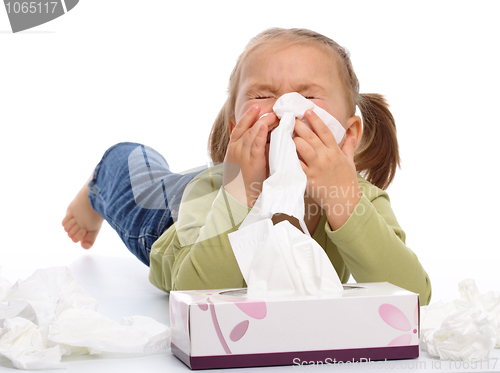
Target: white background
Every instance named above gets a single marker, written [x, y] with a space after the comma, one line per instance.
[156, 72]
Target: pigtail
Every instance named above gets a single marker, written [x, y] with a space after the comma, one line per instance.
[219, 137]
[377, 155]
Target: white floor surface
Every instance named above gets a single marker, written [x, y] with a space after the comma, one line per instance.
[122, 288]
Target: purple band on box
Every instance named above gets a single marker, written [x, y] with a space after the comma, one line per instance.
[297, 358]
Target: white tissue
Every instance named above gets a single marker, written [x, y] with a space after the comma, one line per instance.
[468, 328]
[49, 315]
[280, 260]
[298, 104]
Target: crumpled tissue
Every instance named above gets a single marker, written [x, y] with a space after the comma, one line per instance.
[281, 260]
[298, 104]
[467, 328]
[49, 315]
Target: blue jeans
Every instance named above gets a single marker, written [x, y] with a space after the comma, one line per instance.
[134, 190]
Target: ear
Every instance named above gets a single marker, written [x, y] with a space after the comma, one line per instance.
[232, 121]
[354, 128]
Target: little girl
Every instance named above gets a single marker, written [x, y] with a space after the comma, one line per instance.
[185, 241]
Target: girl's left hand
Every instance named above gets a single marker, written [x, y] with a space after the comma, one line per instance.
[331, 173]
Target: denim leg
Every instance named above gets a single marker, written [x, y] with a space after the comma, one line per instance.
[134, 190]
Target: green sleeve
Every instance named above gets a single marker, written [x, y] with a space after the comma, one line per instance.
[372, 245]
[195, 252]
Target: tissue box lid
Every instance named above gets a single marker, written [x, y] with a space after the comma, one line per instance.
[225, 328]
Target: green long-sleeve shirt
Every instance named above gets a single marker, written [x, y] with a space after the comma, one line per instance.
[195, 252]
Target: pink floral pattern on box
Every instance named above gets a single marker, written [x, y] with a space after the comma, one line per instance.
[253, 308]
[394, 317]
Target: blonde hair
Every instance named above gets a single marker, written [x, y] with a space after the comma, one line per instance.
[377, 155]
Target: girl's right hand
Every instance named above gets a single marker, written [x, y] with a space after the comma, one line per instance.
[246, 160]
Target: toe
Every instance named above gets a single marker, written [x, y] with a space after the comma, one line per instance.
[73, 230]
[69, 224]
[79, 235]
[89, 239]
[67, 218]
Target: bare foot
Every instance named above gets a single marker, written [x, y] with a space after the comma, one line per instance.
[81, 222]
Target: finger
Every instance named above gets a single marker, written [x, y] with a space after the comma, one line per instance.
[305, 151]
[303, 131]
[256, 138]
[315, 145]
[349, 147]
[247, 120]
[258, 145]
[321, 129]
[248, 138]
[271, 120]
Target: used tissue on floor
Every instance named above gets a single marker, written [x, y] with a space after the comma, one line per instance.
[49, 315]
[467, 328]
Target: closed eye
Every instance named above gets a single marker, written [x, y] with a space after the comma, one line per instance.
[262, 97]
[310, 97]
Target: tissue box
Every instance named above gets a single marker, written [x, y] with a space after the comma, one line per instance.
[227, 329]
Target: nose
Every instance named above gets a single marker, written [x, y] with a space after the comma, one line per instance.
[266, 107]
[268, 103]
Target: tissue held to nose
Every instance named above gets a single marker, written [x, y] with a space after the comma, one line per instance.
[297, 104]
[278, 260]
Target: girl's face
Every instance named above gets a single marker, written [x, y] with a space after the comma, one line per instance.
[268, 73]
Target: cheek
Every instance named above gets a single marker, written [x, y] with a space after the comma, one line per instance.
[334, 110]
[266, 106]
